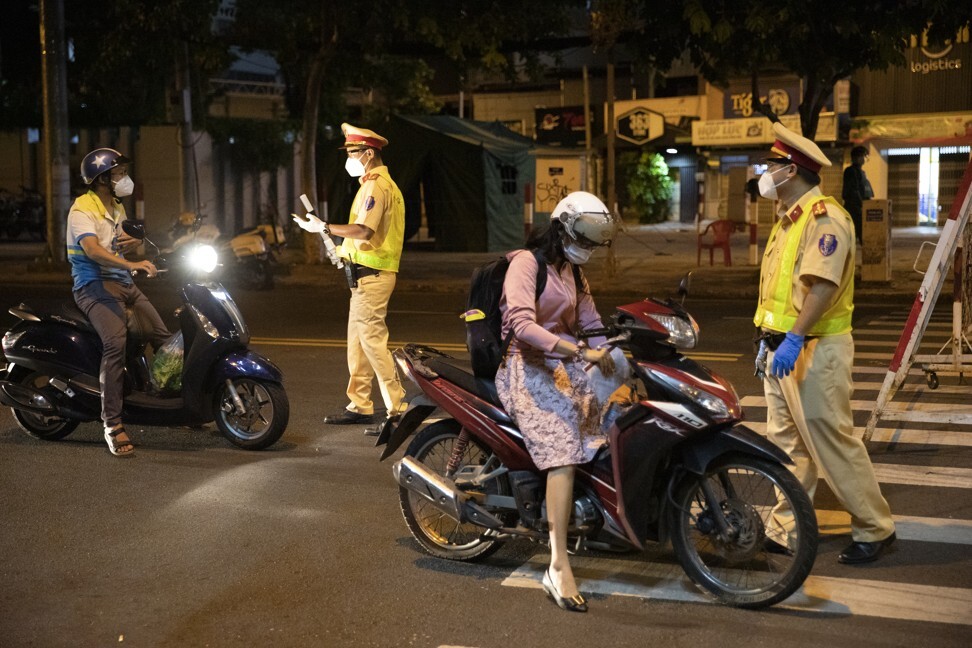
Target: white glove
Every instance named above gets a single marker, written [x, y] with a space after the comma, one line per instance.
[312, 224]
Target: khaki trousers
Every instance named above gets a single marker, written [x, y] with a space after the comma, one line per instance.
[368, 355]
[809, 416]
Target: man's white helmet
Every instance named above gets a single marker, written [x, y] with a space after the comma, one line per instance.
[586, 219]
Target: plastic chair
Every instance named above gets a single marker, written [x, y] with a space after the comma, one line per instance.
[721, 229]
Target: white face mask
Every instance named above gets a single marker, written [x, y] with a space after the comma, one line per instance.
[124, 187]
[354, 167]
[575, 253]
[768, 186]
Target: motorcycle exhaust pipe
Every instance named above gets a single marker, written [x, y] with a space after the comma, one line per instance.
[32, 400]
[442, 494]
[438, 491]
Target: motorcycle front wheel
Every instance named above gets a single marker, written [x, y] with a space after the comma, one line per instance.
[762, 503]
[437, 533]
[39, 426]
[266, 412]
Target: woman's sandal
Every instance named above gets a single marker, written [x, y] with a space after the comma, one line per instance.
[115, 446]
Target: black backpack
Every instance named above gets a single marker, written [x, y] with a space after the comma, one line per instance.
[484, 322]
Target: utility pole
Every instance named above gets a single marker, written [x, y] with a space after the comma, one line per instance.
[186, 139]
[612, 199]
[57, 182]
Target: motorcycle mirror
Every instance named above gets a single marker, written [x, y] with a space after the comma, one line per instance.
[683, 286]
[134, 228]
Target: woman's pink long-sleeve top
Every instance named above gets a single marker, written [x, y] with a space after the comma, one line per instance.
[561, 309]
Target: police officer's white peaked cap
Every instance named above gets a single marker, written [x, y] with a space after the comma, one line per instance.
[360, 137]
[797, 149]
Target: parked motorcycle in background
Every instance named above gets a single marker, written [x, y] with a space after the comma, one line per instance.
[248, 256]
[20, 213]
[204, 373]
[679, 467]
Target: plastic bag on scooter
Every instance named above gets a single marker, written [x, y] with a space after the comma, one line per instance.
[605, 385]
[167, 364]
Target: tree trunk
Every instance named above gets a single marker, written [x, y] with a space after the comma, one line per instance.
[813, 100]
[313, 250]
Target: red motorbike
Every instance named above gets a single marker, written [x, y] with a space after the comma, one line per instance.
[678, 467]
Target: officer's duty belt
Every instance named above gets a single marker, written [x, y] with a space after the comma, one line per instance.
[774, 339]
[364, 271]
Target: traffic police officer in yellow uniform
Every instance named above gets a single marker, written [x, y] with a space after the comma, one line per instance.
[806, 299]
[372, 247]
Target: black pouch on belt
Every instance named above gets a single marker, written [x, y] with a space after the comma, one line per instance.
[773, 340]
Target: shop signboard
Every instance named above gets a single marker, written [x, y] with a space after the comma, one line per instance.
[640, 125]
[561, 126]
[915, 130]
[755, 130]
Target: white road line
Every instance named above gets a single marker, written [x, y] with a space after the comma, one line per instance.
[896, 332]
[871, 355]
[918, 409]
[899, 435]
[819, 594]
[935, 476]
[918, 388]
[907, 527]
[887, 345]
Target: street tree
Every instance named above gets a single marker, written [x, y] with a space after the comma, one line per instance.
[822, 41]
[382, 48]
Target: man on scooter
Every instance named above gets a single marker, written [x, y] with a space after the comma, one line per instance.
[103, 286]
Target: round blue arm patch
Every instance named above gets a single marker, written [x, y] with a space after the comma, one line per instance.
[369, 203]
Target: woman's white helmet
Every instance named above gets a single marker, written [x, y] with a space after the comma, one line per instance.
[586, 219]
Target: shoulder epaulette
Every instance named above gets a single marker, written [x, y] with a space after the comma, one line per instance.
[819, 209]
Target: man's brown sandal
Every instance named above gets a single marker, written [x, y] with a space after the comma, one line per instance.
[116, 446]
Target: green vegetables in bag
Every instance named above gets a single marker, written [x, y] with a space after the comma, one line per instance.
[167, 365]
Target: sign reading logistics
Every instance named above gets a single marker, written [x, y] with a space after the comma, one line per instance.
[640, 125]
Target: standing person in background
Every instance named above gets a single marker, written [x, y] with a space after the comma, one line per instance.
[103, 286]
[856, 189]
[806, 300]
[542, 383]
[373, 240]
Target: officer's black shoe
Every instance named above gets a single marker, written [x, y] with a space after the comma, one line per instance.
[347, 417]
[774, 547]
[375, 430]
[864, 552]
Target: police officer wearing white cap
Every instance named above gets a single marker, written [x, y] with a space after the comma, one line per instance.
[806, 300]
[372, 246]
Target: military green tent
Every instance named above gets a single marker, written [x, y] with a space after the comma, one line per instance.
[471, 175]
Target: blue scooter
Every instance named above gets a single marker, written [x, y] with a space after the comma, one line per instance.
[53, 360]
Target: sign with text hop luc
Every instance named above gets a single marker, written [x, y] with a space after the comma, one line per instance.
[640, 125]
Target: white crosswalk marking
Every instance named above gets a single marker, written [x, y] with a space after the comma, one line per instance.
[926, 421]
[819, 594]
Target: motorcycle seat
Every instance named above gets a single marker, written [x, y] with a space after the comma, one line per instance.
[65, 312]
[460, 374]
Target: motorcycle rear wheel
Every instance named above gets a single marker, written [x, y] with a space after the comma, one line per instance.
[742, 572]
[437, 533]
[47, 428]
[266, 416]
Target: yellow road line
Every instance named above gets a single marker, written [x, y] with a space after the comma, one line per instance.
[442, 346]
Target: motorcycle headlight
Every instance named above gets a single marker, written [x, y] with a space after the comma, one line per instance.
[681, 333]
[203, 257]
[712, 403]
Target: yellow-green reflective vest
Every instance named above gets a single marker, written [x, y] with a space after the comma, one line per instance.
[388, 255]
[776, 312]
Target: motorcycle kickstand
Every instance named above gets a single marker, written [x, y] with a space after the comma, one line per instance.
[237, 401]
